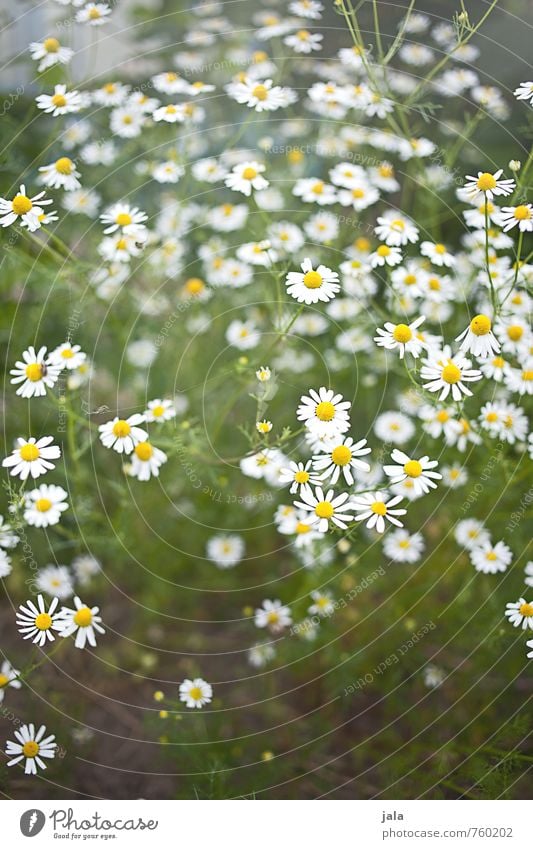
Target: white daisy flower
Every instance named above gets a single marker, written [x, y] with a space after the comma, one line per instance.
[242, 335]
[324, 412]
[471, 533]
[50, 52]
[490, 558]
[226, 550]
[304, 41]
[384, 255]
[61, 174]
[261, 95]
[146, 461]
[395, 229]
[85, 567]
[8, 678]
[82, 621]
[433, 676]
[36, 623]
[313, 190]
[323, 604]
[437, 253]
[419, 471]
[43, 506]
[520, 380]
[68, 356]
[94, 14]
[403, 547]
[298, 475]
[260, 654]
[35, 373]
[31, 747]
[520, 613]
[159, 411]
[325, 508]
[5, 564]
[29, 210]
[376, 507]
[521, 216]
[127, 121]
[129, 219]
[306, 9]
[8, 539]
[55, 581]
[195, 693]
[488, 185]
[454, 476]
[61, 102]
[401, 336]
[343, 457]
[478, 338]
[245, 177]
[528, 570]
[394, 427]
[123, 434]
[446, 374]
[32, 457]
[524, 92]
[273, 615]
[311, 286]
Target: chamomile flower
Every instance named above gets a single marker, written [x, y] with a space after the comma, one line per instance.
[478, 338]
[5, 564]
[437, 254]
[263, 426]
[520, 613]
[394, 427]
[43, 506]
[261, 95]
[384, 255]
[225, 550]
[82, 621]
[403, 547]
[311, 286]
[489, 558]
[195, 693]
[304, 41]
[243, 335]
[85, 567]
[55, 581]
[122, 435]
[159, 411]
[37, 623]
[323, 604]
[129, 219]
[313, 190]
[35, 372]
[260, 654]
[395, 229]
[263, 374]
[488, 185]
[403, 337]
[245, 177]
[517, 216]
[94, 14]
[8, 538]
[376, 508]
[343, 457]
[49, 52]
[471, 533]
[68, 356]
[324, 412]
[61, 174]
[32, 457]
[31, 747]
[446, 374]
[454, 476]
[146, 461]
[29, 210]
[326, 507]
[61, 102]
[524, 92]
[419, 471]
[273, 615]
[8, 678]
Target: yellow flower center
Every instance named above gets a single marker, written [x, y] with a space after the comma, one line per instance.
[51, 45]
[64, 165]
[440, 249]
[144, 450]
[515, 332]
[302, 34]
[83, 617]
[272, 617]
[527, 375]
[383, 250]
[526, 609]
[34, 372]
[195, 693]
[30, 749]
[158, 410]
[301, 477]
[43, 621]
[43, 505]
[260, 92]
[3, 680]
[21, 204]
[379, 507]
[451, 373]
[409, 279]
[121, 429]
[29, 452]
[302, 528]
[249, 173]
[522, 213]
[498, 362]
[491, 555]
[486, 182]
[480, 325]
[325, 411]
[123, 219]
[491, 417]
[402, 333]
[442, 416]
[341, 455]
[413, 469]
[324, 510]
[94, 14]
[194, 286]
[318, 188]
[313, 280]
[358, 193]
[295, 156]
[59, 100]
